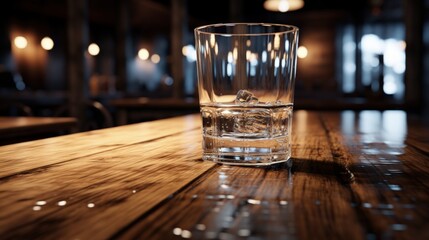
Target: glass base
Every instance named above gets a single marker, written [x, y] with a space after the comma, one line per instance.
[248, 160]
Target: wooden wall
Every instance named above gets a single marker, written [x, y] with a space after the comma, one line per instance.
[316, 72]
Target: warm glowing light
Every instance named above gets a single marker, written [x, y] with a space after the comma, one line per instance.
[185, 50]
[212, 40]
[177, 231]
[186, 234]
[248, 54]
[283, 5]
[235, 53]
[269, 46]
[189, 52]
[20, 42]
[93, 49]
[47, 43]
[200, 227]
[155, 58]
[302, 52]
[254, 201]
[403, 45]
[143, 54]
[37, 208]
[207, 47]
[41, 203]
[277, 42]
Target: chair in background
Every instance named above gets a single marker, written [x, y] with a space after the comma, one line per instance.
[97, 116]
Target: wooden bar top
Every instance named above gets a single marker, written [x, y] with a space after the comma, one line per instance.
[23, 124]
[143, 102]
[130, 110]
[354, 175]
[15, 129]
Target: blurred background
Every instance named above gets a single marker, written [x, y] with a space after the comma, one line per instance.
[134, 60]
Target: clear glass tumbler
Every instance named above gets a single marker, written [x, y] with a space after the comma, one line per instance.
[246, 80]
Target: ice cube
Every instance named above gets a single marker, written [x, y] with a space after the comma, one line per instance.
[245, 97]
[255, 122]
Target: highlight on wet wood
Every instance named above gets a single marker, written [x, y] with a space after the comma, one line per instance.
[353, 175]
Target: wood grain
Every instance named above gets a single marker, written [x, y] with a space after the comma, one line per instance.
[354, 175]
[130, 109]
[331, 192]
[46, 152]
[15, 129]
[265, 203]
[93, 196]
[390, 190]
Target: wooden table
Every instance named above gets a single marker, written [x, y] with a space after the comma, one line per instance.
[14, 129]
[152, 108]
[355, 175]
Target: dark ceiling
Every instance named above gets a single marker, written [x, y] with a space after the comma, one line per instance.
[253, 11]
[155, 15]
[216, 11]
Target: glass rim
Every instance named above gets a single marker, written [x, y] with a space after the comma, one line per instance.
[292, 28]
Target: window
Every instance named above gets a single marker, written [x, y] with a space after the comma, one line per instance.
[373, 63]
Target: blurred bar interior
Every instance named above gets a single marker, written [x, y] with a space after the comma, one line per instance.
[61, 57]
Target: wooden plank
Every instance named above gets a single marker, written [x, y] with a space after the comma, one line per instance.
[310, 199]
[418, 134]
[355, 175]
[20, 129]
[390, 190]
[22, 125]
[93, 196]
[143, 102]
[147, 108]
[19, 158]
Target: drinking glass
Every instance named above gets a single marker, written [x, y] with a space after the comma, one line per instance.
[246, 80]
